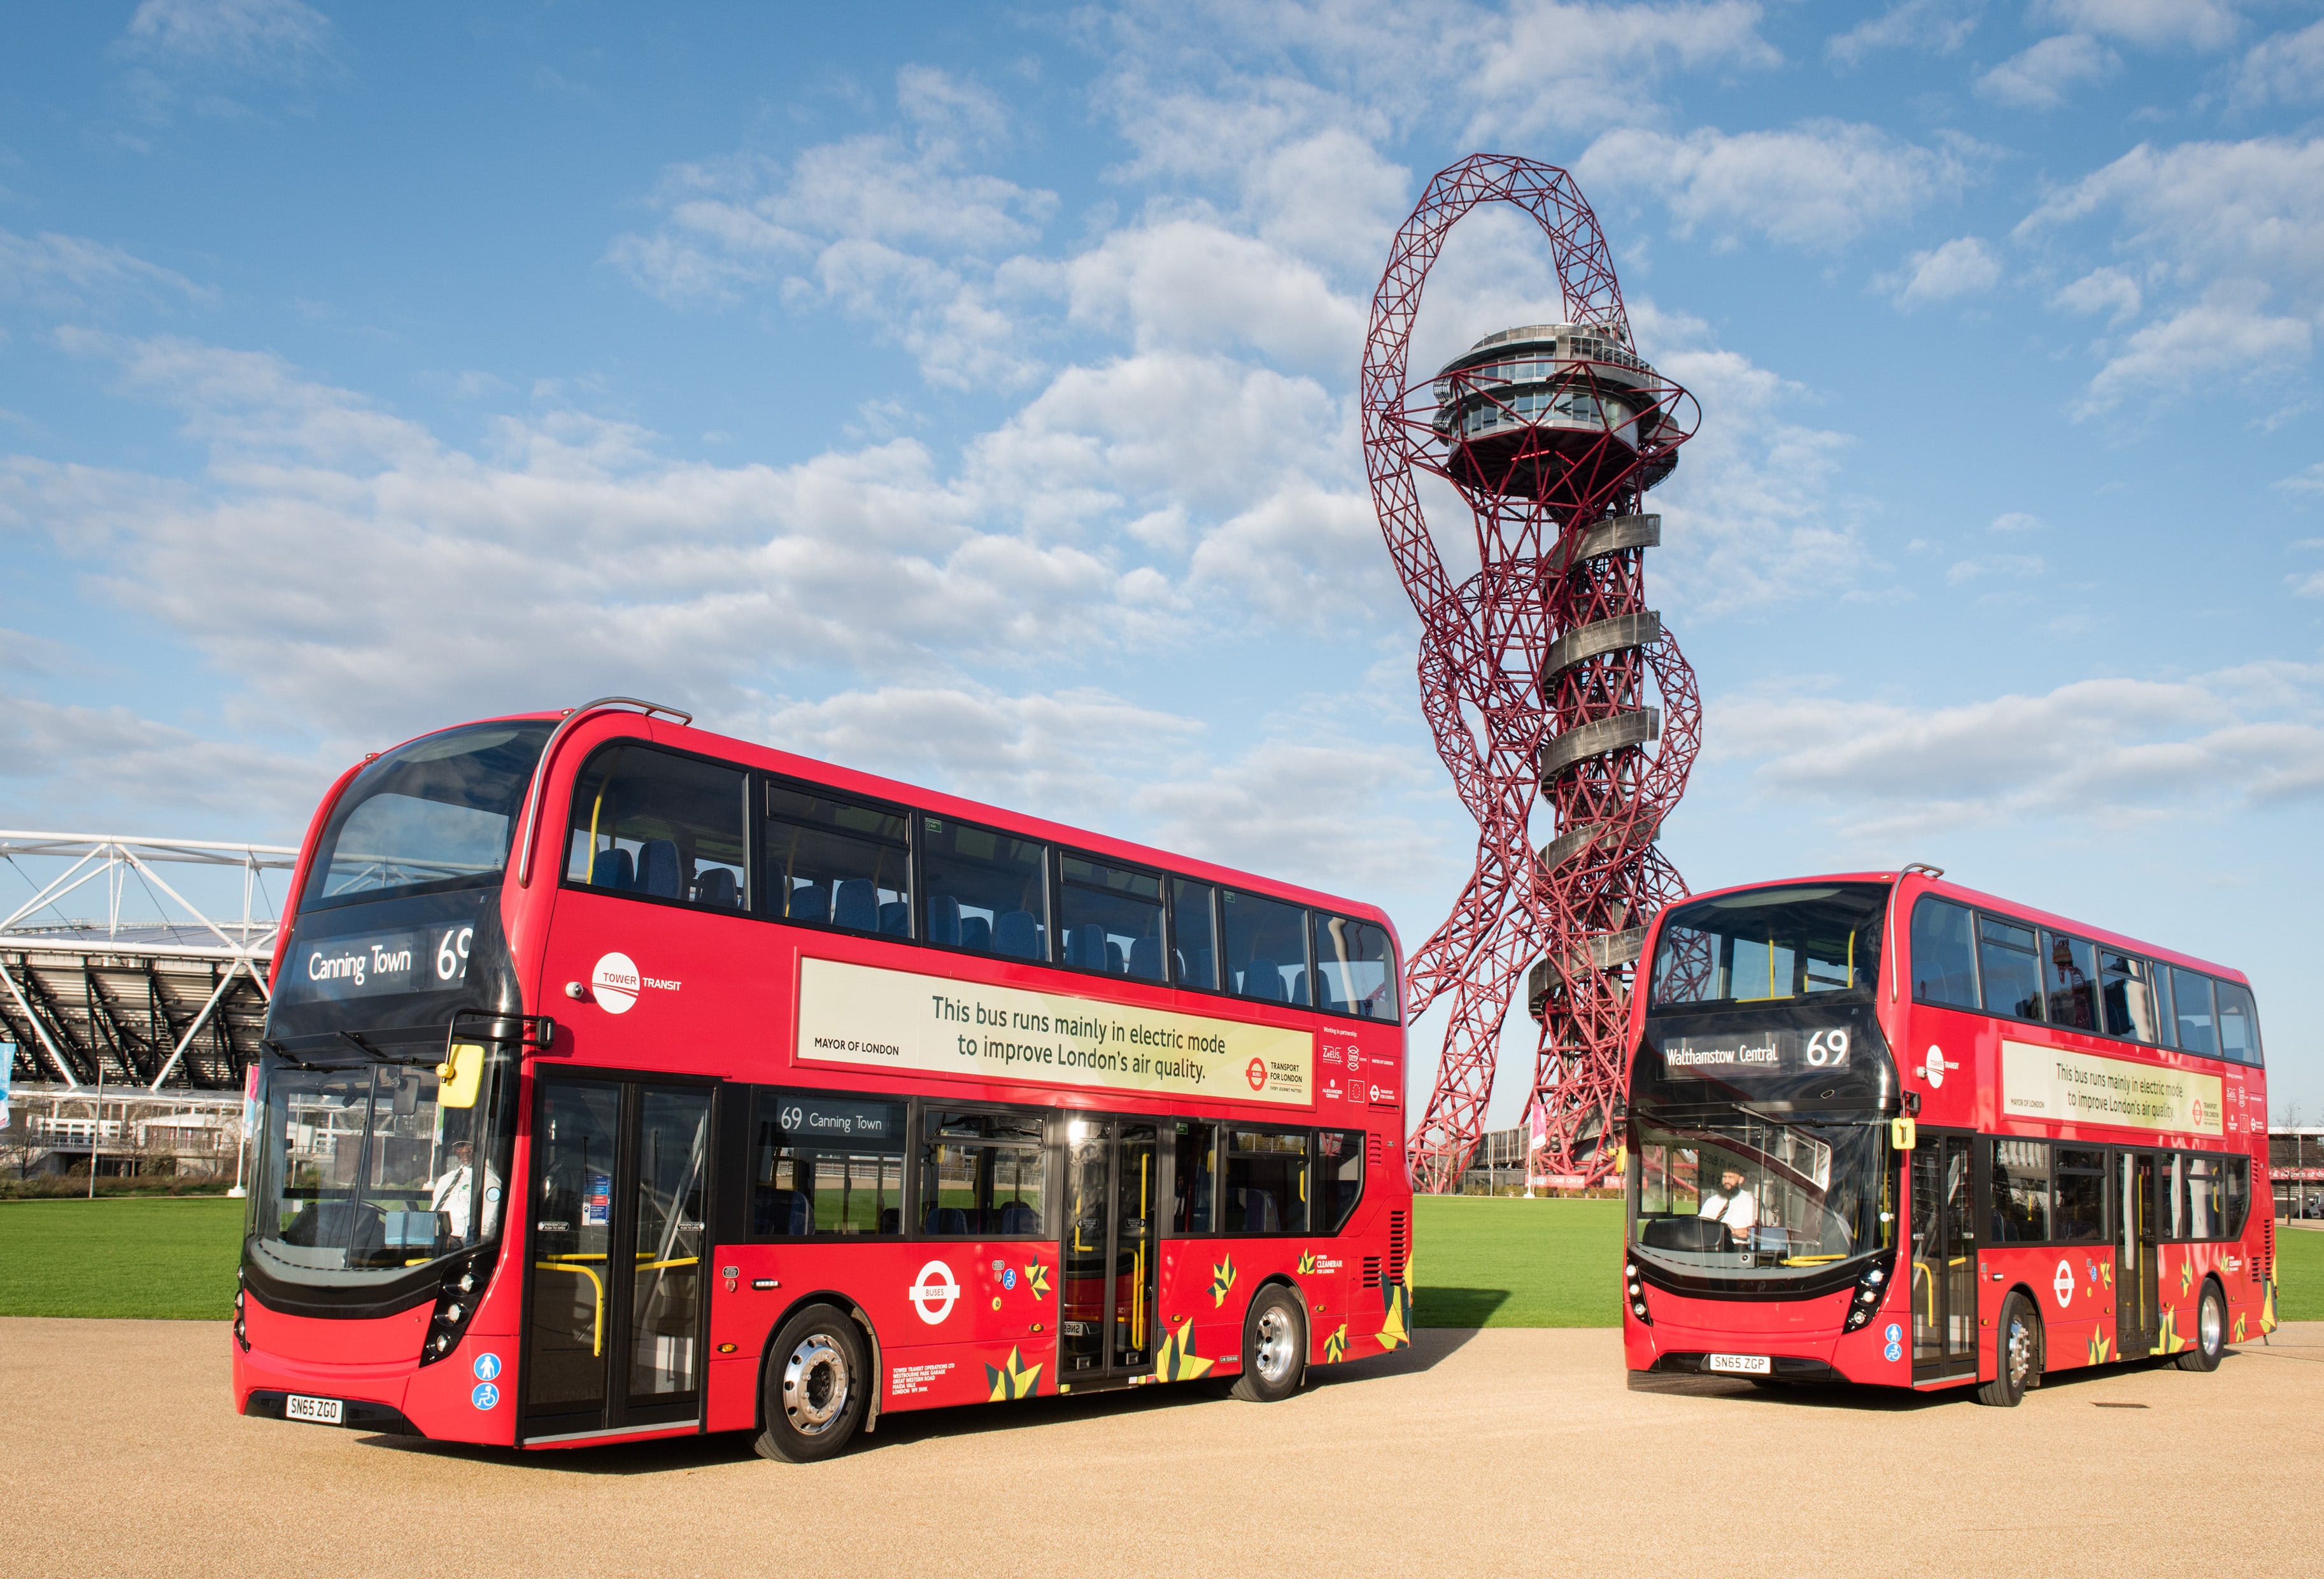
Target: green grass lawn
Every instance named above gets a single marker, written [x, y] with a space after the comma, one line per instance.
[1485, 1260]
[169, 1258]
[1477, 1262]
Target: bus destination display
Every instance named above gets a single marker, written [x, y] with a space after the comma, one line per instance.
[900, 1020]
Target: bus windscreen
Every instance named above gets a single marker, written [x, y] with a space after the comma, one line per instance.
[1812, 942]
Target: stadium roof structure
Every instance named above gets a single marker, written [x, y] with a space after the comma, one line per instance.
[174, 998]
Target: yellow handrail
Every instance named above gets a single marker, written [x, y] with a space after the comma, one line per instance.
[597, 1326]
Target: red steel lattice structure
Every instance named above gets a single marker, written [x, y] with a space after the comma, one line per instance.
[1536, 672]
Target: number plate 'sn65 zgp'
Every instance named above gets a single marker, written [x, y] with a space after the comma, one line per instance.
[1743, 1364]
[314, 1411]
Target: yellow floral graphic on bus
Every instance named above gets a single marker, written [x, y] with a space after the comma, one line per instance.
[1306, 1263]
[1223, 1282]
[2100, 1345]
[1335, 1347]
[1176, 1360]
[2186, 1276]
[2240, 1319]
[1394, 1332]
[2169, 1342]
[2267, 1307]
[1037, 1279]
[1013, 1380]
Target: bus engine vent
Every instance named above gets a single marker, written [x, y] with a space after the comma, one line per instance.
[1399, 1242]
[2267, 1244]
[1372, 1271]
[1371, 1150]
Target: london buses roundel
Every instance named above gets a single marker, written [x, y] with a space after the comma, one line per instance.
[1256, 1074]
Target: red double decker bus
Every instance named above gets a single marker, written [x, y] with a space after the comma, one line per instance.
[623, 1080]
[1883, 1129]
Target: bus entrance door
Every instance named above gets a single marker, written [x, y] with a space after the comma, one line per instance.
[1944, 1259]
[2134, 1320]
[613, 1334]
[1112, 1209]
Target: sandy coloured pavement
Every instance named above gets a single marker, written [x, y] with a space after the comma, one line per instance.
[1473, 1453]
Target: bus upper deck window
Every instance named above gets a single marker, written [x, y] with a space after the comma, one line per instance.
[2010, 970]
[1355, 968]
[652, 824]
[1944, 952]
[1266, 947]
[1194, 934]
[2124, 1000]
[2238, 1023]
[987, 891]
[1110, 919]
[836, 862]
[2191, 994]
[2069, 976]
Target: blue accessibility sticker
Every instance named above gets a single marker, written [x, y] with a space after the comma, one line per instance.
[1008, 1279]
[485, 1396]
[1894, 1334]
[487, 1366]
[1893, 1352]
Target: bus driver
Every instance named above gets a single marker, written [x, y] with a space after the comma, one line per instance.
[449, 1193]
[1732, 1205]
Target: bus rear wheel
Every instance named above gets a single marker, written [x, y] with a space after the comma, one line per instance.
[816, 1385]
[1274, 1348]
[2211, 1332]
[2018, 1353]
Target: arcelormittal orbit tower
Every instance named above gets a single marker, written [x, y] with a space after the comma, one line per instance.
[1559, 702]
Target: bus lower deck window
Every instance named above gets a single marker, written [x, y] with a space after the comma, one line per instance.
[982, 1174]
[1266, 1182]
[1340, 1163]
[1194, 1183]
[826, 1164]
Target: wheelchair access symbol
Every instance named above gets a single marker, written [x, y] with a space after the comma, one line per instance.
[485, 1396]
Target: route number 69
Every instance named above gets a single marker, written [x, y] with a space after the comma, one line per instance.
[452, 953]
[1828, 1050]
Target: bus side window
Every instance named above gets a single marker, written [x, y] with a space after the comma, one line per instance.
[1110, 919]
[988, 892]
[2170, 1186]
[2079, 1211]
[1944, 955]
[2125, 998]
[1266, 948]
[982, 1174]
[836, 862]
[2238, 1023]
[1339, 1165]
[2070, 981]
[829, 1163]
[1266, 1182]
[1193, 935]
[2236, 1186]
[2011, 972]
[2191, 994]
[2021, 1191]
[1355, 968]
[2205, 1210]
[652, 824]
[1195, 1179]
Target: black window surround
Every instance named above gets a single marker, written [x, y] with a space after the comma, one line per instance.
[916, 926]
[2153, 967]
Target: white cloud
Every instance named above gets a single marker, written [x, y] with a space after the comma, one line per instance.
[1819, 185]
[2151, 25]
[72, 767]
[55, 272]
[2018, 521]
[2108, 290]
[1942, 25]
[2006, 569]
[2287, 68]
[2311, 480]
[1194, 284]
[2228, 333]
[2100, 753]
[1964, 266]
[1572, 67]
[2041, 76]
[265, 37]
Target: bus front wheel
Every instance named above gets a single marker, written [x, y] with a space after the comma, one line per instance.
[2211, 1332]
[2018, 1353]
[1274, 1348]
[816, 1385]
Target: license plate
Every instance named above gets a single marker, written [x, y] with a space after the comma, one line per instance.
[317, 1411]
[1743, 1364]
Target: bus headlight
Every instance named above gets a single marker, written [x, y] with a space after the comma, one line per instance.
[456, 1306]
[1868, 1289]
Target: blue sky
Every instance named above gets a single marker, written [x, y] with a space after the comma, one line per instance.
[969, 395]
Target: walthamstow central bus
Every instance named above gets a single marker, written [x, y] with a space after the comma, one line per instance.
[623, 1080]
[1883, 1129]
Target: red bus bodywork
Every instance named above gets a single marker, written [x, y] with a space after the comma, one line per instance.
[1949, 1063]
[719, 1004]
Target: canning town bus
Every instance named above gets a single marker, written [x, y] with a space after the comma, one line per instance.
[623, 1080]
[1883, 1129]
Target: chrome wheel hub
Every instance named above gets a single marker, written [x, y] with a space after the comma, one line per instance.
[2211, 1326]
[2021, 1352]
[1278, 1336]
[815, 1384]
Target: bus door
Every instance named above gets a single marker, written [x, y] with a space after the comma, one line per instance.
[1944, 1258]
[614, 1301]
[1112, 1208]
[2136, 1323]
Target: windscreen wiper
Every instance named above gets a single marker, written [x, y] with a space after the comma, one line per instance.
[374, 1053]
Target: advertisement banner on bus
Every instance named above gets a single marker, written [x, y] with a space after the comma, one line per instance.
[2050, 1083]
[865, 1016]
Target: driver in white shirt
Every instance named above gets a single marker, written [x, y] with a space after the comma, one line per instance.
[450, 1194]
[1732, 1205]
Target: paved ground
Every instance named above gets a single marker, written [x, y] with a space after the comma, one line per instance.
[1473, 1452]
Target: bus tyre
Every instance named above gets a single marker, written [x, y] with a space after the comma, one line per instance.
[1274, 1347]
[817, 1385]
[2018, 1353]
[2211, 1332]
